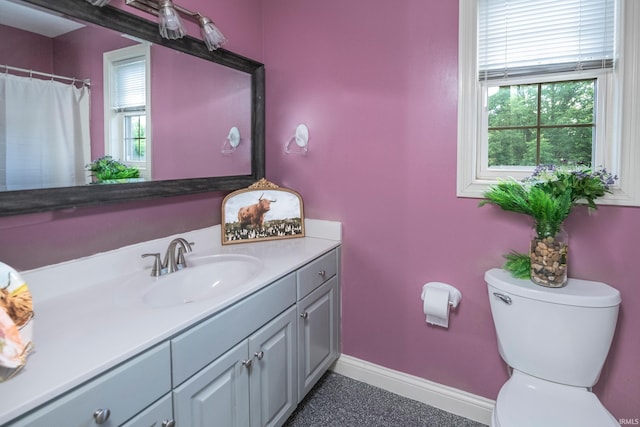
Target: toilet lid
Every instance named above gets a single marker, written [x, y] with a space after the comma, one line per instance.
[526, 401]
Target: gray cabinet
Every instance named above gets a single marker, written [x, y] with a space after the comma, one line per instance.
[112, 398]
[201, 344]
[247, 365]
[219, 394]
[318, 330]
[251, 384]
[274, 372]
[318, 320]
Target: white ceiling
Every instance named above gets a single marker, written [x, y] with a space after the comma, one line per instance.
[30, 18]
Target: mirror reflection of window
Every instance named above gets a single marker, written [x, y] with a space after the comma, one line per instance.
[127, 124]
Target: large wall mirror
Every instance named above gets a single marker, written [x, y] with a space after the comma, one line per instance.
[197, 101]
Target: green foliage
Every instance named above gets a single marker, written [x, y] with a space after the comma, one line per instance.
[106, 168]
[518, 264]
[550, 193]
[584, 183]
[510, 196]
[549, 211]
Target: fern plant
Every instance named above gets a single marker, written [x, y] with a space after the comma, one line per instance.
[550, 193]
[548, 211]
[518, 264]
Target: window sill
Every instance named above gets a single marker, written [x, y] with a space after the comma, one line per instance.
[476, 188]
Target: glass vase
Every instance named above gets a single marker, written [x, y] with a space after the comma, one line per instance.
[548, 254]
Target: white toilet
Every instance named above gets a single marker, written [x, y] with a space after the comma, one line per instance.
[556, 341]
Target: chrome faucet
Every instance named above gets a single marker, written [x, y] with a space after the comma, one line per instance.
[173, 260]
[173, 263]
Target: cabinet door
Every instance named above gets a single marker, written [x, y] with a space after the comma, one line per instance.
[273, 381]
[218, 394]
[160, 414]
[318, 334]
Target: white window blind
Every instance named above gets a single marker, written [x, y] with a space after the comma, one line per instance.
[129, 88]
[524, 37]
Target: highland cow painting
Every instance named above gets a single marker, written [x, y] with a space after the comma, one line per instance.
[263, 211]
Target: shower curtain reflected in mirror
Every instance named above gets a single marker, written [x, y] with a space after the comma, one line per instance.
[44, 133]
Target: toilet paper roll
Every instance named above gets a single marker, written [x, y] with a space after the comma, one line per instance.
[436, 306]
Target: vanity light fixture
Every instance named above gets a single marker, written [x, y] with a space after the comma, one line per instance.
[99, 3]
[170, 23]
[210, 33]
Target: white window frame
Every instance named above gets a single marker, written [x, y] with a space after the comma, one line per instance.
[113, 131]
[618, 108]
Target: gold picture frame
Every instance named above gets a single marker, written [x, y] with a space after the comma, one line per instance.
[263, 211]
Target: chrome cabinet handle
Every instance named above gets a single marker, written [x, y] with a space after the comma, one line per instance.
[247, 363]
[168, 423]
[101, 415]
[504, 298]
[322, 273]
[259, 355]
[304, 315]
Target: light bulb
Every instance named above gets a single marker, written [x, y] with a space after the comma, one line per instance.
[211, 35]
[169, 21]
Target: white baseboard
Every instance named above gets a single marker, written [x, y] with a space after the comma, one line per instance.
[443, 397]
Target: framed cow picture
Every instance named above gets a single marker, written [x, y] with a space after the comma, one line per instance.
[262, 211]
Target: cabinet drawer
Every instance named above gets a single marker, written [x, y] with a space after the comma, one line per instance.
[316, 273]
[123, 391]
[200, 345]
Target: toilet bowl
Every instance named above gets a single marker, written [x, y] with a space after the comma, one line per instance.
[556, 341]
[526, 401]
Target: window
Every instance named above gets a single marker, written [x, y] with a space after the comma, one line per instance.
[127, 136]
[539, 123]
[529, 95]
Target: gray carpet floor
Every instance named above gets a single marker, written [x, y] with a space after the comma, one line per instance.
[339, 401]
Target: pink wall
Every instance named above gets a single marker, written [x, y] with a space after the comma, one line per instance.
[376, 82]
[377, 87]
[30, 241]
[25, 50]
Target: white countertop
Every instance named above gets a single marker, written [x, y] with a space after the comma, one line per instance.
[81, 331]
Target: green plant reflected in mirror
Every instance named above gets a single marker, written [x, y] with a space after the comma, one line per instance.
[107, 170]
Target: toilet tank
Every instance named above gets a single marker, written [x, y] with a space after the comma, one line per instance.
[557, 334]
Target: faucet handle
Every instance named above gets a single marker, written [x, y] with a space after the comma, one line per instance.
[157, 269]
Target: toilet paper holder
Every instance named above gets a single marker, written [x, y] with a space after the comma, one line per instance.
[455, 296]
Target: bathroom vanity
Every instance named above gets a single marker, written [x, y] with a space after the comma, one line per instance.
[245, 355]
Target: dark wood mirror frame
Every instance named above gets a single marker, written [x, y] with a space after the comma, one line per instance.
[42, 200]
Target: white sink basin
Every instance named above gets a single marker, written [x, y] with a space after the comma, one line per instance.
[205, 277]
